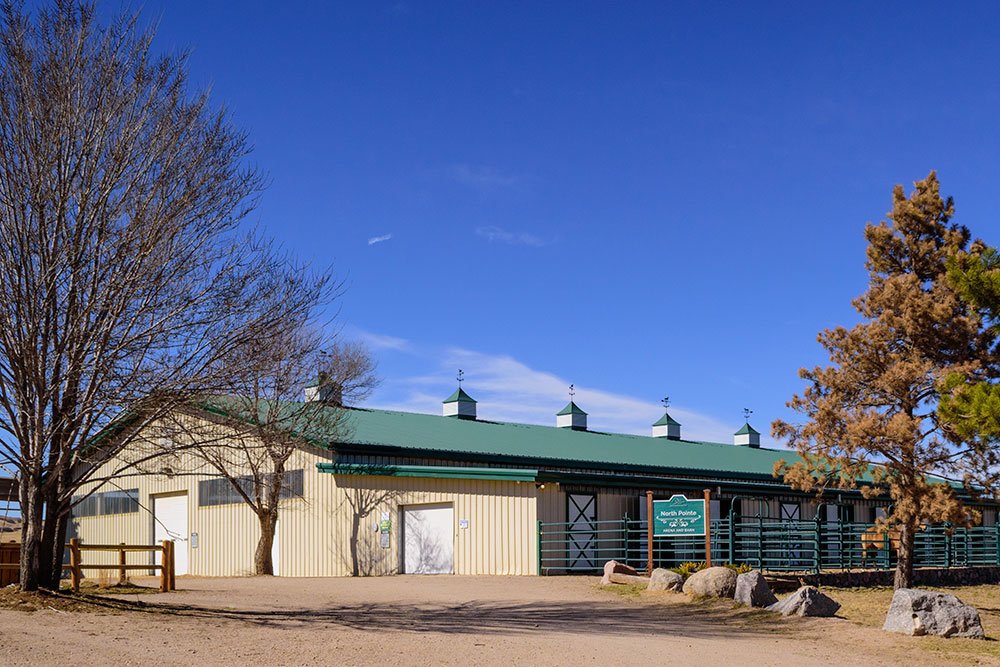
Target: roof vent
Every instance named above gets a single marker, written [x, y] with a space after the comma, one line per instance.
[667, 427]
[572, 416]
[459, 405]
[747, 436]
[324, 390]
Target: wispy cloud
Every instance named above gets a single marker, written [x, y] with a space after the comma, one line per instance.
[481, 176]
[509, 390]
[378, 239]
[494, 233]
[380, 341]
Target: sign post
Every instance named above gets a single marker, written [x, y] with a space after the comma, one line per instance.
[649, 532]
[708, 528]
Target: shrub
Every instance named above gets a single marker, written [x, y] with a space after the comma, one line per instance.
[687, 569]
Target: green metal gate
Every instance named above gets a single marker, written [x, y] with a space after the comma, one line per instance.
[764, 543]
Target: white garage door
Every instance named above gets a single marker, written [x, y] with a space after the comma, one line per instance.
[170, 522]
[428, 539]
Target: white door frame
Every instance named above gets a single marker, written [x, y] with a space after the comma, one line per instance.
[181, 542]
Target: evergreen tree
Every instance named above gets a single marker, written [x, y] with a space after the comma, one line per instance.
[872, 417]
[970, 405]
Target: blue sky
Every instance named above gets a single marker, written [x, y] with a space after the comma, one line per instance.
[643, 199]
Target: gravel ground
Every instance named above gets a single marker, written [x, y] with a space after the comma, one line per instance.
[450, 620]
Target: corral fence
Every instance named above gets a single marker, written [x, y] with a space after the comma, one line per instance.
[10, 564]
[166, 566]
[10, 557]
[764, 543]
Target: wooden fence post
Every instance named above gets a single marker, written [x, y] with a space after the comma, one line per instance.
[74, 563]
[649, 532]
[708, 527]
[164, 564]
[122, 576]
[172, 583]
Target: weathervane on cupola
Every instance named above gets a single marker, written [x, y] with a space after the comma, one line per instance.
[747, 435]
[460, 404]
[666, 426]
[572, 416]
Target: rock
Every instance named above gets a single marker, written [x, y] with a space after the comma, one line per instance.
[628, 579]
[615, 566]
[917, 612]
[716, 582]
[807, 601]
[665, 580]
[752, 590]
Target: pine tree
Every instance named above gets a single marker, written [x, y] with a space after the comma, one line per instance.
[970, 405]
[872, 414]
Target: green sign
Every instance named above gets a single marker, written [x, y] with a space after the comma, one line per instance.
[678, 516]
[384, 525]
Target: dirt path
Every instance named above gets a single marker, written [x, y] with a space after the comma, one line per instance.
[436, 620]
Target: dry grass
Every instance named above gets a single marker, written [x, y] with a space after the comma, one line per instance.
[867, 607]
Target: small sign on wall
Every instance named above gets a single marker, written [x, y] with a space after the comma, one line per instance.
[385, 539]
[463, 524]
[194, 540]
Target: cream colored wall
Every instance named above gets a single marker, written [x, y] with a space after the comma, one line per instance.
[315, 532]
[501, 516]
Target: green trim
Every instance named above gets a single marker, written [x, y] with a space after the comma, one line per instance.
[354, 448]
[458, 396]
[571, 409]
[431, 472]
[747, 430]
[666, 420]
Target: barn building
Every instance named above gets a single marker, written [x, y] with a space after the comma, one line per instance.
[419, 493]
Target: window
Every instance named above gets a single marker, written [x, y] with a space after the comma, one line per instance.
[220, 491]
[109, 502]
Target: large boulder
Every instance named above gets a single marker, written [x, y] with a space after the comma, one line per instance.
[807, 601]
[752, 590]
[716, 582]
[614, 567]
[665, 580]
[917, 612]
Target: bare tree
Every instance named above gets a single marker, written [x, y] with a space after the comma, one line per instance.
[266, 420]
[127, 276]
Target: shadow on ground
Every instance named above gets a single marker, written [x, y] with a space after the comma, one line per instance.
[591, 618]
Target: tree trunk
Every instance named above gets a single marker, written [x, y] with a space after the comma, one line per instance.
[262, 563]
[55, 564]
[355, 531]
[31, 533]
[904, 563]
[50, 549]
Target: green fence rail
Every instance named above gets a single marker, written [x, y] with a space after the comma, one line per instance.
[764, 543]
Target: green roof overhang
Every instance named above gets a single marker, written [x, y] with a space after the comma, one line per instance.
[433, 472]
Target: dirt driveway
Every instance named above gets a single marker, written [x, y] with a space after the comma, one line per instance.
[412, 620]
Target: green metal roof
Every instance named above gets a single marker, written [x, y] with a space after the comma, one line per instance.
[666, 420]
[747, 430]
[503, 444]
[571, 409]
[459, 395]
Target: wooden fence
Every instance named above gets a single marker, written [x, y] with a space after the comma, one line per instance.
[10, 564]
[10, 557]
[166, 566]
